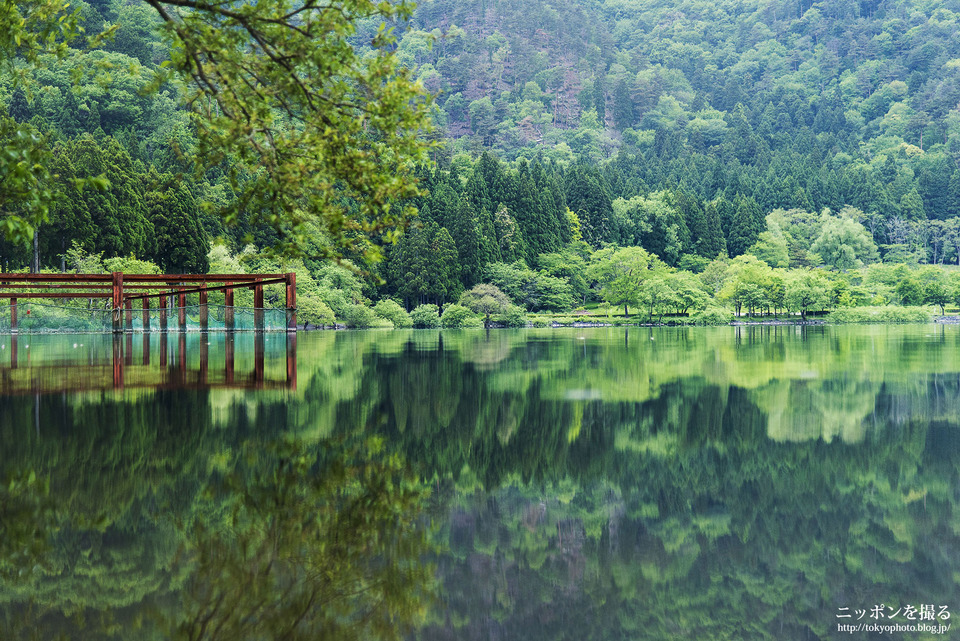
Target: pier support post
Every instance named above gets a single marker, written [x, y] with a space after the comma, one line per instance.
[182, 311]
[204, 312]
[258, 308]
[229, 324]
[117, 300]
[291, 305]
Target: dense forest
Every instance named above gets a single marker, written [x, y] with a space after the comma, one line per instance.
[814, 137]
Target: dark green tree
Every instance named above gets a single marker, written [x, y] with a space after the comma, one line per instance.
[180, 242]
[444, 268]
[745, 227]
[587, 196]
[466, 236]
[622, 105]
[712, 243]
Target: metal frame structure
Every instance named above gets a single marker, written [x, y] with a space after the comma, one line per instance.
[122, 289]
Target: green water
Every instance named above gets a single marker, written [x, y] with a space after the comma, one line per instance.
[671, 483]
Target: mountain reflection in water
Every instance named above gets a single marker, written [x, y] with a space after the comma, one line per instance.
[714, 483]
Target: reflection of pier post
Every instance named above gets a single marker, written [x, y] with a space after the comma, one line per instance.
[163, 313]
[229, 323]
[258, 350]
[182, 352]
[163, 349]
[117, 361]
[146, 348]
[13, 352]
[292, 360]
[128, 356]
[204, 356]
[258, 308]
[229, 352]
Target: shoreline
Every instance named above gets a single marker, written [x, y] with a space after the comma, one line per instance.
[942, 320]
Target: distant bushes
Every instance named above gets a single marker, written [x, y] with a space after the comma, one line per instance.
[393, 312]
[885, 314]
[459, 317]
[514, 316]
[313, 311]
[712, 316]
[363, 317]
[426, 317]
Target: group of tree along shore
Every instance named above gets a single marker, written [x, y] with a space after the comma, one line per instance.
[578, 285]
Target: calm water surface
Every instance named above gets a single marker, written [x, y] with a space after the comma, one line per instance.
[673, 483]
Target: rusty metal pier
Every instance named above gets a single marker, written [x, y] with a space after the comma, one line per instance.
[123, 289]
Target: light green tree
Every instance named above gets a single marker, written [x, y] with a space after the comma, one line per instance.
[771, 246]
[619, 273]
[746, 283]
[657, 295]
[486, 300]
[937, 293]
[844, 243]
[806, 291]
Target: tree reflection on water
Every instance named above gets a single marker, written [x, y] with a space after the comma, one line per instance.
[708, 484]
[286, 541]
[313, 544]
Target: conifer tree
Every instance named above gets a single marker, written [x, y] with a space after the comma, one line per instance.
[599, 97]
[622, 105]
[509, 237]
[744, 228]
[466, 236]
[588, 198]
[712, 243]
[444, 272]
[69, 221]
[181, 244]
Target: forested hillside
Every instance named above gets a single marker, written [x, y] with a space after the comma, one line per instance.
[795, 104]
[690, 129]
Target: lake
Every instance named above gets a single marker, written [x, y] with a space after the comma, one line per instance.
[762, 482]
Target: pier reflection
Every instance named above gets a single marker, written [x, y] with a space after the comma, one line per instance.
[175, 360]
